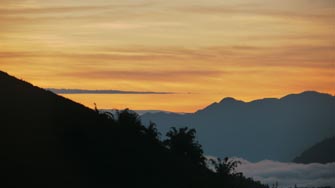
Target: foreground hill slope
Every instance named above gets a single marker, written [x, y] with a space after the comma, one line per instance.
[49, 141]
[276, 129]
[322, 152]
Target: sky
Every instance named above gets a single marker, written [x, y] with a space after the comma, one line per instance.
[177, 55]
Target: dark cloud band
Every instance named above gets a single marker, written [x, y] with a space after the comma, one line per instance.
[84, 91]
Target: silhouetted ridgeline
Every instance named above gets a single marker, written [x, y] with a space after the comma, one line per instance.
[322, 152]
[275, 129]
[50, 141]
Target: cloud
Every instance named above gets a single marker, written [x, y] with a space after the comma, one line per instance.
[146, 75]
[284, 8]
[48, 13]
[44, 10]
[56, 9]
[290, 55]
[85, 91]
[4, 54]
[289, 174]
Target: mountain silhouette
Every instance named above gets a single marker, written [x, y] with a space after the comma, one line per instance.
[322, 152]
[49, 141]
[275, 129]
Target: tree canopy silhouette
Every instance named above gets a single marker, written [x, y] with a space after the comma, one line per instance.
[183, 142]
[152, 131]
[226, 166]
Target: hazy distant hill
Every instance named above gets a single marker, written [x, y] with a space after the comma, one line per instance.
[277, 129]
[50, 141]
[322, 152]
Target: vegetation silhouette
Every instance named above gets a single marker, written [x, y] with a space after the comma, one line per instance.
[226, 167]
[182, 142]
[49, 141]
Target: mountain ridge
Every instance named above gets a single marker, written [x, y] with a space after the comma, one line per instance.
[306, 114]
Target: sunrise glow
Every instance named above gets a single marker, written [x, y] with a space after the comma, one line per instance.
[198, 51]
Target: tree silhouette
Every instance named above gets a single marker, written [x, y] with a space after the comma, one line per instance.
[152, 131]
[130, 119]
[183, 142]
[226, 166]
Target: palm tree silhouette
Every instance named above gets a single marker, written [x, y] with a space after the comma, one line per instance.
[183, 142]
[226, 166]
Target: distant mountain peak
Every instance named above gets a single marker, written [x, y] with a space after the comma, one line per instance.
[230, 100]
[308, 94]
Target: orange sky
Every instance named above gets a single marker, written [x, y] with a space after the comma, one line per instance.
[202, 51]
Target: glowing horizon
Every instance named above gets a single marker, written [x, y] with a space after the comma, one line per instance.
[202, 50]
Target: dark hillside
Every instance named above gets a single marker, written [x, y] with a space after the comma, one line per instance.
[50, 141]
[322, 152]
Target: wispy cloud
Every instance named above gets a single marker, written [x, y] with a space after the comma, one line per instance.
[257, 9]
[35, 10]
[85, 91]
[289, 55]
[48, 10]
[142, 75]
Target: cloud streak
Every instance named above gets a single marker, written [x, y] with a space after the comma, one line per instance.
[86, 91]
[290, 55]
[69, 9]
[324, 14]
[147, 75]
